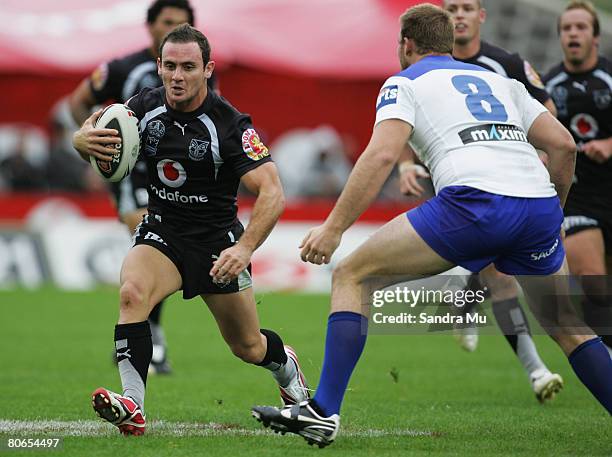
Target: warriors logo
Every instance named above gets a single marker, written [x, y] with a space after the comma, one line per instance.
[197, 149]
[252, 145]
[602, 98]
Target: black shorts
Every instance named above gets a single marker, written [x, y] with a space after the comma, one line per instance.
[193, 258]
[578, 218]
[130, 193]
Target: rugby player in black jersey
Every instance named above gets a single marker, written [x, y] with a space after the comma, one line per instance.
[581, 87]
[468, 16]
[118, 80]
[197, 148]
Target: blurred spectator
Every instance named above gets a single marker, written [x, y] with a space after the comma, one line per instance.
[65, 170]
[20, 173]
[311, 163]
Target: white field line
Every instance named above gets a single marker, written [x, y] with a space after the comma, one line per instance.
[163, 428]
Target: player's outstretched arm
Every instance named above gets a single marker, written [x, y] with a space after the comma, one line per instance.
[548, 134]
[265, 183]
[364, 184]
[90, 141]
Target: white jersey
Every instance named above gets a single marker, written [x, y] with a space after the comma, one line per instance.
[469, 126]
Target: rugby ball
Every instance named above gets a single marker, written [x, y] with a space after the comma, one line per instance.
[119, 117]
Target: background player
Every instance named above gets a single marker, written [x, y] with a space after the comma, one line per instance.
[581, 87]
[119, 80]
[191, 238]
[468, 47]
[495, 202]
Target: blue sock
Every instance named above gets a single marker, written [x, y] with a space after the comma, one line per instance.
[592, 364]
[343, 347]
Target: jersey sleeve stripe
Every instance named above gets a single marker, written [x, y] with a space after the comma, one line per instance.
[604, 76]
[555, 81]
[214, 141]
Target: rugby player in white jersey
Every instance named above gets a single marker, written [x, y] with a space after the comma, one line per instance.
[468, 17]
[496, 203]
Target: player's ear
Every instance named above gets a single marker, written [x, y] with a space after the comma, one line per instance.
[482, 15]
[208, 69]
[409, 46]
[159, 66]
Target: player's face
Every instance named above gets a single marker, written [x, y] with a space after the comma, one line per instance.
[184, 75]
[168, 19]
[467, 16]
[576, 35]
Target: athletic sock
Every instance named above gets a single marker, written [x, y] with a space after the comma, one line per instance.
[593, 366]
[343, 347]
[514, 325]
[275, 359]
[134, 351]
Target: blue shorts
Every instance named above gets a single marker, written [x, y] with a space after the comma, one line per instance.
[473, 228]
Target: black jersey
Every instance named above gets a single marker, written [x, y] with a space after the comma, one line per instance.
[123, 78]
[584, 106]
[195, 161]
[510, 65]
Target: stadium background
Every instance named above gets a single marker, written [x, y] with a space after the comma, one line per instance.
[291, 65]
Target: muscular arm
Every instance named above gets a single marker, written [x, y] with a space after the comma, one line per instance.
[370, 172]
[81, 102]
[265, 183]
[364, 184]
[269, 205]
[549, 135]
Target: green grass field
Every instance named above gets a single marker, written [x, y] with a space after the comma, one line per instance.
[56, 346]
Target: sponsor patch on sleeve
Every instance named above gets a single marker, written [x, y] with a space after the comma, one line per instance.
[532, 76]
[386, 96]
[99, 77]
[253, 146]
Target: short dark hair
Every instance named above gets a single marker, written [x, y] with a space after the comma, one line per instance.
[185, 33]
[158, 5]
[581, 5]
[430, 27]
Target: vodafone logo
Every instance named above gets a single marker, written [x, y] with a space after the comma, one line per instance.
[584, 125]
[171, 173]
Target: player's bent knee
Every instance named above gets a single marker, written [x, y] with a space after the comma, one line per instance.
[345, 272]
[131, 296]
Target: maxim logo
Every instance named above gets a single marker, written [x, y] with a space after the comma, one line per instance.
[493, 132]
